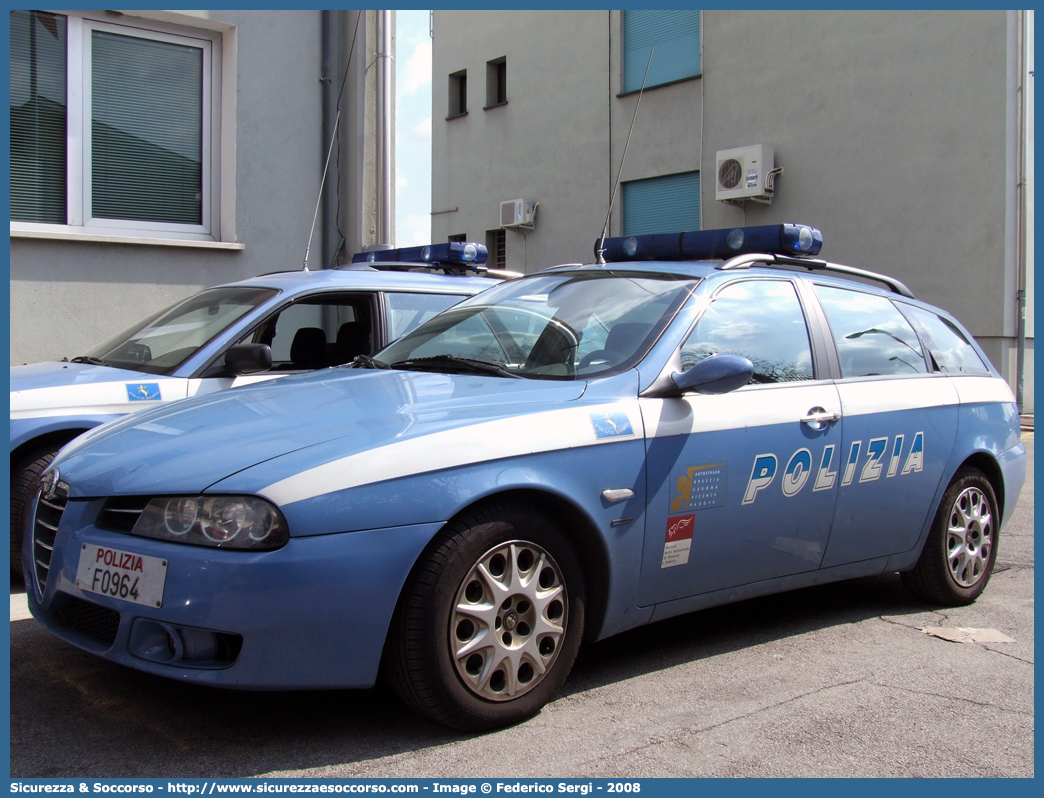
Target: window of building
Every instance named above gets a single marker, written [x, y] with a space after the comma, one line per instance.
[114, 128]
[675, 37]
[496, 82]
[496, 248]
[872, 336]
[761, 320]
[458, 94]
[662, 204]
[39, 42]
[457, 238]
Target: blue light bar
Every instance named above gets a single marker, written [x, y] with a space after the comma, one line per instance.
[775, 239]
[462, 253]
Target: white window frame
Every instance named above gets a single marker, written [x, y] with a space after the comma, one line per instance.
[218, 150]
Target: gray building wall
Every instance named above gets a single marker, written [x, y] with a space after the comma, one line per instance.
[68, 295]
[897, 133]
[548, 143]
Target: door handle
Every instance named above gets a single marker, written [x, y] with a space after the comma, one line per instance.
[818, 418]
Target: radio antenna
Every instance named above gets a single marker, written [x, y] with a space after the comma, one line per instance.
[333, 138]
[322, 185]
[600, 259]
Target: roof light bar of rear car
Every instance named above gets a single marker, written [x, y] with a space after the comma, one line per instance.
[798, 240]
[456, 253]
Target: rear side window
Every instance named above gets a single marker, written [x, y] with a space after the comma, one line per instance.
[949, 348]
[872, 336]
[761, 320]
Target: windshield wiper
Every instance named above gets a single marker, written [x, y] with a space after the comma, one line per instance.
[366, 362]
[456, 364]
[94, 361]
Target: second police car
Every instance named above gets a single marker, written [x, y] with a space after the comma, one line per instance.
[708, 417]
[226, 336]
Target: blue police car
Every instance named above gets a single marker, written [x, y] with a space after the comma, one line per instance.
[226, 336]
[707, 417]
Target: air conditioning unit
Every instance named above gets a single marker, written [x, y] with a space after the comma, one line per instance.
[517, 213]
[745, 173]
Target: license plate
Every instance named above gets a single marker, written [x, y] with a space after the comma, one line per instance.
[122, 574]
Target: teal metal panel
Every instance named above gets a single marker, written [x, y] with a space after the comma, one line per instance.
[673, 37]
[662, 204]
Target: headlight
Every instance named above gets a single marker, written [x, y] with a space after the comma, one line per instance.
[231, 522]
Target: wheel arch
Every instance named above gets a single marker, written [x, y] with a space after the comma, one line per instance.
[575, 525]
[954, 577]
[54, 439]
[985, 462]
[991, 469]
[582, 533]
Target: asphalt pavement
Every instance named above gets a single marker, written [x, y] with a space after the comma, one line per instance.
[837, 680]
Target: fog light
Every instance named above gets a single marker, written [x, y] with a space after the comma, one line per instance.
[188, 646]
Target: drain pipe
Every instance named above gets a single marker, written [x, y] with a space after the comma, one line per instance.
[1020, 217]
[329, 110]
[385, 186]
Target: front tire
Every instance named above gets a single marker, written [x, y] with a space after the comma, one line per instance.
[490, 622]
[25, 478]
[961, 548]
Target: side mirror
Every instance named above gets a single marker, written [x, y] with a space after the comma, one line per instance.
[715, 374]
[245, 359]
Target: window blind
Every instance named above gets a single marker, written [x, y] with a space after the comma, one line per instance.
[675, 36]
[146, 129]
[662, 204]
[38, 117]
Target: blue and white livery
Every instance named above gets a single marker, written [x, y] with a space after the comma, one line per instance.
[223, 337]
[567, 456]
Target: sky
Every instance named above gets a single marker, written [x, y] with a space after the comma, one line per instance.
[412, 129]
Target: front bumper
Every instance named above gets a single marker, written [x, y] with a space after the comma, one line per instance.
[313, 614]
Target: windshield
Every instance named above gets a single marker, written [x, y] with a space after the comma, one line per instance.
[558, 326]
[162, 342]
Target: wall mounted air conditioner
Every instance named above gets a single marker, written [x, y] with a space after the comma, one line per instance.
[517, 213]
[745, 173]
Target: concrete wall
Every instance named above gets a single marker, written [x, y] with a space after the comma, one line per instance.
[547, 144]
[891, 129]
[67, 296]
[897, 133]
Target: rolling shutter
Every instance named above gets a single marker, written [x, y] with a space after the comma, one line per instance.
[675, 36]
[662, 204]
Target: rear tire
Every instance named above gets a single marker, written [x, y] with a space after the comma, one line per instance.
[25, 478]
[490, 621]
[961, 549]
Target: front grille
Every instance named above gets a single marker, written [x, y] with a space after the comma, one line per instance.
[99, 624]
[49, 512]
[121, 513]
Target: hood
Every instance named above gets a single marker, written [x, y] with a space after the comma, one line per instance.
[188, 446]
[49, 386]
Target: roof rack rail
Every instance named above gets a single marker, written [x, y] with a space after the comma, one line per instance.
[783, 262]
